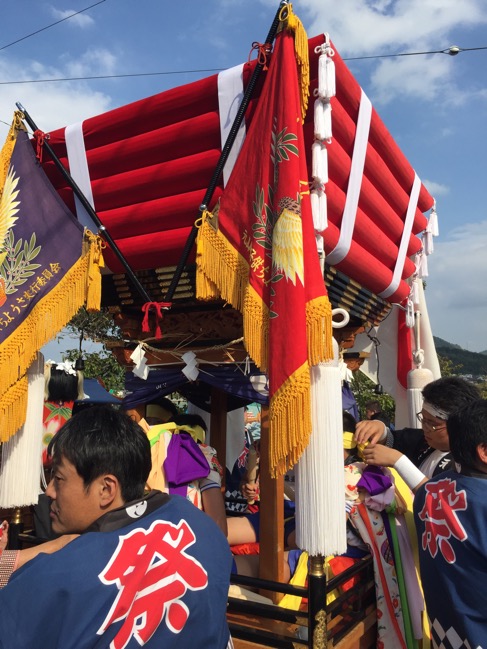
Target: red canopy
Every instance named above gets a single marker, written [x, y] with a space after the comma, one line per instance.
[151, 161]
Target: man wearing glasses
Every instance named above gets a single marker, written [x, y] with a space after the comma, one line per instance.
[419, 453]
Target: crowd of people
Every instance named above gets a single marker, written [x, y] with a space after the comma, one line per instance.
[132, 557]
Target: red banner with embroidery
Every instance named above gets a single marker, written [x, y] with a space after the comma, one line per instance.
[257, 251]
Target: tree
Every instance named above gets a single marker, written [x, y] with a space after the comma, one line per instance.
[447, 368]
[99, 327]
[364, 391]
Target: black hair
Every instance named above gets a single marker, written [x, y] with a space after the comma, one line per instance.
[61, 386]
[349, 422]
[190, 420]
[373, 405]
[451, 393]
[467, 429]
[167, 404]
[100, 440]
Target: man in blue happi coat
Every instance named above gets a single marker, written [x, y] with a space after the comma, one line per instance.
[450, 514]
[147, 569]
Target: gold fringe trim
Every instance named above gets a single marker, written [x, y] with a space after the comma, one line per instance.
[8, 147]
[13, 409]
[290, 421]
[301, 50]
[93, 246]
[221, 271]
[47, 318]
[319, 330]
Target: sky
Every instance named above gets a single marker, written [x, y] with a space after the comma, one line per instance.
[435, 105]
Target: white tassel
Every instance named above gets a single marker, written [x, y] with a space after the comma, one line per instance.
[322, 121]
[326, 73]
[319, 120]
[428, 242]
[415, 291]
[327, 121]
[433, 221]
[319, 209]
[320, 494]
[319, 158]
[20, 470]
[424, 266]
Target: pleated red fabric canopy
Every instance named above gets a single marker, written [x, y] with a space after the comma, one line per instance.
[149, 163]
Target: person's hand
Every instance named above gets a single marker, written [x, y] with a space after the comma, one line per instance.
[250, 490]
[379, 455]
[370, 430]
[3, 535]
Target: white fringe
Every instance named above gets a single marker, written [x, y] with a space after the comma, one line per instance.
[326, 75]
[322, 120]
[20, 467]
[320, 488]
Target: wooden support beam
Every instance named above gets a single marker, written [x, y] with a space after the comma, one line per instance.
[271, 513]
[218, 425]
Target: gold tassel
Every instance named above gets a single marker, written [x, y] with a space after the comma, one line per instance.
[13, 409]
[93, 246]
[319, 330]
[8, 147]
[301, 50]
[290, 421]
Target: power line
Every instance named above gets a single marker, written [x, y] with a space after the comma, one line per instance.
[453, 50]
[4, 47]
[111, 76]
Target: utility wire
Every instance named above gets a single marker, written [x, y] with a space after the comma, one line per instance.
[452, 51]
[4, 47]
[110, 76]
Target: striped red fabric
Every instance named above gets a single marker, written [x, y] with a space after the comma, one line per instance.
[151, 161]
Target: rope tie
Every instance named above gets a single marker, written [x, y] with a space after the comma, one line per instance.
[157, 306]
[40, 137]
[263, 50]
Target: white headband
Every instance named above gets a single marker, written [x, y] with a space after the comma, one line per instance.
[434, 411]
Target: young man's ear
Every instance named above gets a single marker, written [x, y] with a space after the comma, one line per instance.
[109, 490]
[482, 454]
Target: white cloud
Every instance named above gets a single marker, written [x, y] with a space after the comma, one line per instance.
[455, 289]
[80, 20]
[51, 105]
[369, 27]
[379, 27]
[436, 189]
[95, 61]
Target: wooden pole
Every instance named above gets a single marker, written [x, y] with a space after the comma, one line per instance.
[271, 564]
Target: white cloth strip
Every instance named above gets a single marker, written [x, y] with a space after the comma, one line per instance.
[230, 95]
[354, 183]
[78, 168]
[406, 234]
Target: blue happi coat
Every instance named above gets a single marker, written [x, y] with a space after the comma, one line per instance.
[152, 574]
[451, 522]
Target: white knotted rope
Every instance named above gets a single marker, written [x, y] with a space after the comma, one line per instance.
[322, 133]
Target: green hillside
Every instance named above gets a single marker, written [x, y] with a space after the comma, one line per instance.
[467, 362]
